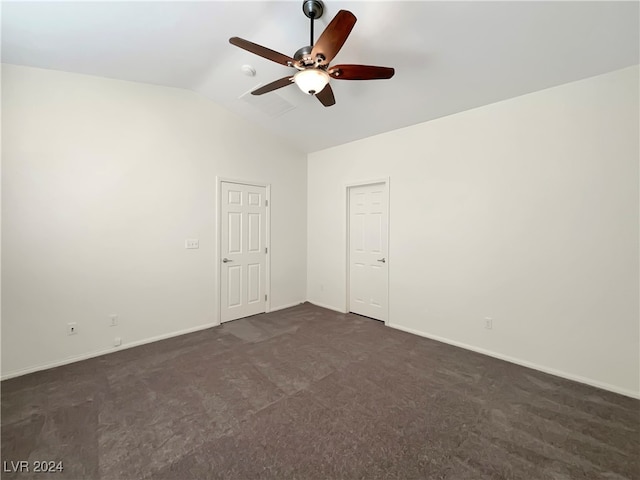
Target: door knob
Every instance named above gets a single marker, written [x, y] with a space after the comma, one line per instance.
[226, 260]
[382, 260]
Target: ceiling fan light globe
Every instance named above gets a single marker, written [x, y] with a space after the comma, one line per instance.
[311, 80]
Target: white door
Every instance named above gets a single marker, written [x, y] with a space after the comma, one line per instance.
[243, 251]
[368, 266]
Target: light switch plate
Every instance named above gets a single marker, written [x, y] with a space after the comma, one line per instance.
[192, 243]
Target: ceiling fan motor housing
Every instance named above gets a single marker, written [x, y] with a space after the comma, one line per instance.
[303, 55]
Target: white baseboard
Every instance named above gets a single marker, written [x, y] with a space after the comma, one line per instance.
[524, 363]
[282, 307]
[328, 307]
[517, 361]
[99, 353]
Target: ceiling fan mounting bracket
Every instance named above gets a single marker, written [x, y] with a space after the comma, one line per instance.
[313, 8]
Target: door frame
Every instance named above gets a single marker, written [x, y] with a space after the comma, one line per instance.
[218, 253]
[347, 190]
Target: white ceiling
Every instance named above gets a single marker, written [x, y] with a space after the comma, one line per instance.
[448, 56]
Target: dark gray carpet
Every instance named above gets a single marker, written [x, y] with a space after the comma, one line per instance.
[308, 393]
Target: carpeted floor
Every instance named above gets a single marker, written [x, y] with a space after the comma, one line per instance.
[307, 393]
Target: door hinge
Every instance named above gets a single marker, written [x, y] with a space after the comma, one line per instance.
[266, 203]
[266, 250]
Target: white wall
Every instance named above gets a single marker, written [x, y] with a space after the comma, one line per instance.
[525, 211]
[102, 182]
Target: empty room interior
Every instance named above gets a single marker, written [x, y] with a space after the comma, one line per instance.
[320, 240]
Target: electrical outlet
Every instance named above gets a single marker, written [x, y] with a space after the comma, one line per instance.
[117, 342]
[191, 243]
[72, 328]
[488, 323]
[113, 319]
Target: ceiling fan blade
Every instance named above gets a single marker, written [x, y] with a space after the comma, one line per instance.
[262, 51]
[334, 36]
[270, 87]
[360, 72]
[326, 96]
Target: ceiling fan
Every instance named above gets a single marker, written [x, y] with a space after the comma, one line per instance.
[312, 62]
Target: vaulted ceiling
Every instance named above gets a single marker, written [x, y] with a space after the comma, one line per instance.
[448, 56]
